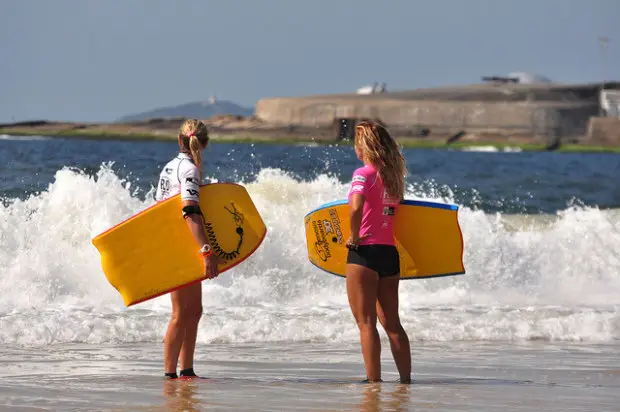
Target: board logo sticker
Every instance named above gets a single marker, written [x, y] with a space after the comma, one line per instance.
[320, 245]
[335, 223]
[217, 249]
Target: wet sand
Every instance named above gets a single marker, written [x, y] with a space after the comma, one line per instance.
[472, 376]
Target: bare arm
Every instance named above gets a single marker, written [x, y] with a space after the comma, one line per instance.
[195, 224]
[356, 209]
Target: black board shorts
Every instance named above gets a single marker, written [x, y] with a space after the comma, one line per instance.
[383, 259]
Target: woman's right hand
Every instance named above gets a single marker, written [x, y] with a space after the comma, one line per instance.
[352, 242]
[210, 265]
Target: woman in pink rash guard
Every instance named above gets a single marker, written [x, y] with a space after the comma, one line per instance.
[373, 266]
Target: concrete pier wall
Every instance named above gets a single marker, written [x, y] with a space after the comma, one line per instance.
[441, 117]
[603, 131]
[542, 111]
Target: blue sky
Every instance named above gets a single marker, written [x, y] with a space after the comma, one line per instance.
[93, 60]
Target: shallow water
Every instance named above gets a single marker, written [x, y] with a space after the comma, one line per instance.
[310, 377]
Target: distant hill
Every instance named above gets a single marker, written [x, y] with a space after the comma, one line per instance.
[196, 110]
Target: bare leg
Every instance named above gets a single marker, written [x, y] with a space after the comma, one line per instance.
[183, 317]
[387, 311]
[362, 292]
[193, 313]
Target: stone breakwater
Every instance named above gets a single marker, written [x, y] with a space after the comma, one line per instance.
[603, 132]
[221, 127]
[545, 115]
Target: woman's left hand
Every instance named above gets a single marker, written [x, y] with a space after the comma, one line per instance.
[211, 270]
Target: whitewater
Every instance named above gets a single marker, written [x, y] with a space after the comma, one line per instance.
[547, 277]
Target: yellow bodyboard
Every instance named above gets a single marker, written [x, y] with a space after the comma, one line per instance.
[153, 252]
[427, 235]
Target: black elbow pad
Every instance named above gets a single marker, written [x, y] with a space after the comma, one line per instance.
[191, 210]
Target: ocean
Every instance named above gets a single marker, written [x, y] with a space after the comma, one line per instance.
[534, 324]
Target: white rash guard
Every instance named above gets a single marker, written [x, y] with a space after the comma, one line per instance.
[180, 175]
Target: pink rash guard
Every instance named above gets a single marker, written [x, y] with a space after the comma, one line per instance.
[379, 209]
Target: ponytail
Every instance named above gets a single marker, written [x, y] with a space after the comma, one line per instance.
[195, 152]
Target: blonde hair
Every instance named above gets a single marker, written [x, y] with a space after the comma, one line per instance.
[193, 135]
[381, 151]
